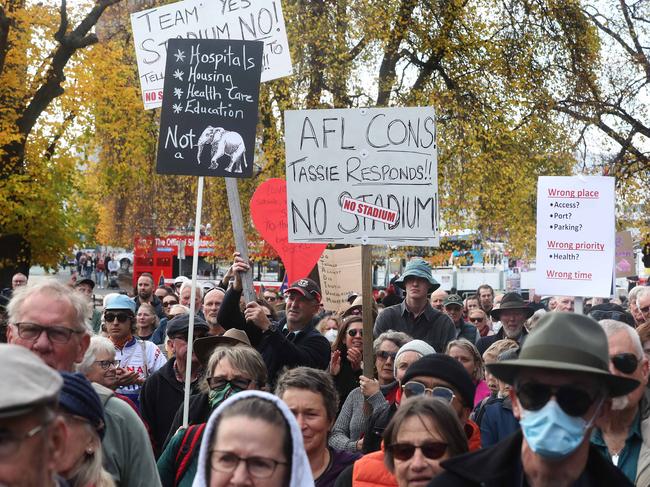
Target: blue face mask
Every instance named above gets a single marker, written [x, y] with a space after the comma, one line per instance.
[552, 433]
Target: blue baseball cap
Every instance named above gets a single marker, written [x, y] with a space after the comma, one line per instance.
[121, 301]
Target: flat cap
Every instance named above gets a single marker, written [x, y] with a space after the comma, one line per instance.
[26, 381]
[181, 324]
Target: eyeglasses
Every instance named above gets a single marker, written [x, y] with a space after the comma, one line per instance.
[574, 401]
[386, 355]
[167, 304]
[121, 317]
[9, 442]
[271, 299]
[476, 320]
[405, 451]
[106, 364]
[258, 467]
[414, 389]
[55, 334]
[355, 331]
[219, 383]
[625, 362]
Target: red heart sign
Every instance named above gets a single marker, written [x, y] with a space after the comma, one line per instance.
[269, 212]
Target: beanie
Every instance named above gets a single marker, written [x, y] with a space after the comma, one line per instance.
[419, 346]
[445, 368]
[78, 397]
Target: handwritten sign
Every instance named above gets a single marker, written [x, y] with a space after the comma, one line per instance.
[209, 114]
[200, 19]
[269, 213]
[575, 235]
[384, 159]
[624, 262]
[340, 275]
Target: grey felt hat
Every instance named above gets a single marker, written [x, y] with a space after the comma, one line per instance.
[566, 342]
[418, 268]
[26, 381]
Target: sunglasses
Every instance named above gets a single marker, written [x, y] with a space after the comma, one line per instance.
[574, 401]
[405, 451]
[121, 317]
[167, 304]
[386, 355]
[625, 362]
[355, 331]
[414, 389]
[219, 383]
[476, 320]
[271, 299]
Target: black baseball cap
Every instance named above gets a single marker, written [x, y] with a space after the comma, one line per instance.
[307, 288]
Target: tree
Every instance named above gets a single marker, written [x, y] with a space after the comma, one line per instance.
[37, 175]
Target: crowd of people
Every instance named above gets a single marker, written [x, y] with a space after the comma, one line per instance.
[485, 389]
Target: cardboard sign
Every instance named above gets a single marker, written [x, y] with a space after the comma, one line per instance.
[269, 213]
[340, 275]
[197, 19]
[624, 261]
[209, 114]
[575, 235]
[384, 159]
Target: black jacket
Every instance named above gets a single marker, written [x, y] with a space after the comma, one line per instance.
[160, 398]
[377, 423]
[199, 412]
[309, 348]
[500, 466]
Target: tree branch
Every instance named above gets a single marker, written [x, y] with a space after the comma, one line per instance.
[49, 152]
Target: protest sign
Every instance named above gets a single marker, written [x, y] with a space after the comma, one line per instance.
[362, 176]
[209, 114]
[624, 255]
[196, 19]
[340, 275]
[575, 235]
[269, 213]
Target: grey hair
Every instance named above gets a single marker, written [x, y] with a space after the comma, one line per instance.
[186, 284]
[612, 327]
[57, 290]
[641, 293]
[633, 293]
[397, 337]
[97, 344]
[241, 357]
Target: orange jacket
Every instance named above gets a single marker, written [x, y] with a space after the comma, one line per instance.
[370, 471]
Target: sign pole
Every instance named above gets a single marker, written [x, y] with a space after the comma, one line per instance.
[190, 331]
[240, 236]
[366, 293]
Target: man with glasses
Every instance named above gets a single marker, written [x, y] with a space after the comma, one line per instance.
[620, 435]
[561, 387]
[453, 307]
[643, 303]
[513, 313]
[32, 434]
[162, 393]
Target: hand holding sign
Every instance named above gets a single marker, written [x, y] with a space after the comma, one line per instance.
[269, 212]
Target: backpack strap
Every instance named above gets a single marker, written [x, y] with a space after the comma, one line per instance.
[191, 439]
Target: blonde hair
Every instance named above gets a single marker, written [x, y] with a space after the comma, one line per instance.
[479, 369]
[497, 348]
[91, 471]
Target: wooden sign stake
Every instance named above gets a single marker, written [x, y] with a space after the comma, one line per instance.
[241, 243]
[367, 297]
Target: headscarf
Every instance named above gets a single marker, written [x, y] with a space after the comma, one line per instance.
[300, 469]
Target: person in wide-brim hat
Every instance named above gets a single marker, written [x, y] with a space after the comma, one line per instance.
[417, 268]
[566, 342]
[203, 347]
[512, 301]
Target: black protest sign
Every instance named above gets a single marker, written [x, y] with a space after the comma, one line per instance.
[209, 108]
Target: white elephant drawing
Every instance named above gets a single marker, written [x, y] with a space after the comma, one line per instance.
[223, 142]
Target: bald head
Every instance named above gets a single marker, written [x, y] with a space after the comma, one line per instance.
[19, 279]
[438, 297]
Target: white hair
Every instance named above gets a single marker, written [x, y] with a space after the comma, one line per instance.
[97, 344]
[51, 287]
[612, 327]
[199, 289]
[642, 293]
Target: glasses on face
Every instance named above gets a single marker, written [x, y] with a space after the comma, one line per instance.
[219, 383]
[271, 299]
[355, 331]
[10, 442]
[106, 364]
[258, 467]
[574, 401]
[55, 334]
[625, 362]
[167, 304]
[414, 389]
[476, 320]
[383, 354]
[121, 317]
[404, 451]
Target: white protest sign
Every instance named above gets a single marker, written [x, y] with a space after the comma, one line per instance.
[575, 235]
[340, 275]
[260, 20]
[382, 161]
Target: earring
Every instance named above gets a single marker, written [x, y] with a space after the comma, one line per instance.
[90, 451]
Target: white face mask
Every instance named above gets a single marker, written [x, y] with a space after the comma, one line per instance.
[331, 334]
